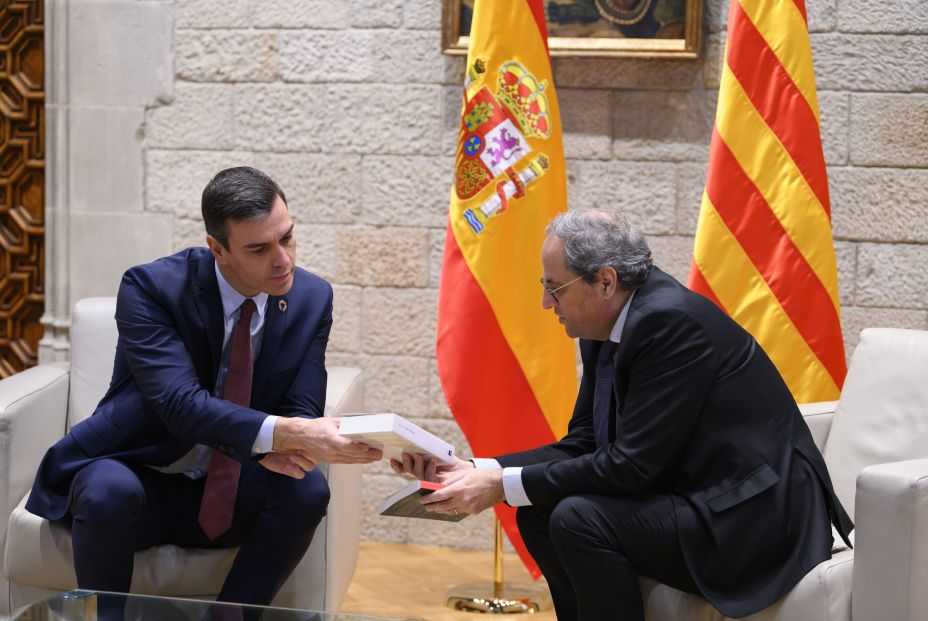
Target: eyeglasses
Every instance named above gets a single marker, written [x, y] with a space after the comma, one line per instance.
[551, 291]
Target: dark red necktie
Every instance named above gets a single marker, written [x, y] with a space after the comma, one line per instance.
[222, 478]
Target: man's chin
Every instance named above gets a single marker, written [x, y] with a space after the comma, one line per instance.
[280, 287]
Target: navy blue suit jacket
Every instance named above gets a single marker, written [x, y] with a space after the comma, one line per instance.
[703, 416]
[160, 401]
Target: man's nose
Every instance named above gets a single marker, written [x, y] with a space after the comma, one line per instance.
[547, 300]
[281, 258]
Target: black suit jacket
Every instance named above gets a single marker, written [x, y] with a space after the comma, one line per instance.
[703, 415]
[160, 401]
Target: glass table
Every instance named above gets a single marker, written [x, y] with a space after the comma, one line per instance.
[101, 606]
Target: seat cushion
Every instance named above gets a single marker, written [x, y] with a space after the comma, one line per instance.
[824, 593]
[38, 553]
[882, 415]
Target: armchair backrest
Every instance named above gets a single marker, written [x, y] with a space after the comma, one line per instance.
[882, 415]
[93, 352]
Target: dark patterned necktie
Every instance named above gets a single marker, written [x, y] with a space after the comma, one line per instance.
[222, 478]
[602, 393]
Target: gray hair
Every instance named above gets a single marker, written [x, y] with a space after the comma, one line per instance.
[595, 239]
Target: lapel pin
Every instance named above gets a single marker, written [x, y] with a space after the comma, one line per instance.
[282, 305]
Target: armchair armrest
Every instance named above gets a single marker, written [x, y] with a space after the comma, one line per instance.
[818, 417]
[33, 416]
[891, 555]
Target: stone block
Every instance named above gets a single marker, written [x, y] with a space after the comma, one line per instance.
[628, 74]
[438, 405]
[346, 319]
[376, 13]
[586, 118]
[846, 259]
[834, 109]
[105, 158]
[422, 15]
[663, 125]
[226, 55]
[317, 249]
[892, 275]
[387, 257]
[691, 183]
[883, 16]
[822, 15]
[451, 104]
[645, 192]
[856, 318]
[673, 254]
[211, 13]
[889, 130]
[715, 15]
[339, 118]
[436, 256]
[199, 117]
[396, 384]
[453, 68]
[399, 321]
[187, 233]
[401, 56]
[880, 204]
[321, 14]
[406, 190]
[106, 244]
[174, 180]
[141, 73]
[320, 188]
[376, 527]
[714, 55]
[870, 62]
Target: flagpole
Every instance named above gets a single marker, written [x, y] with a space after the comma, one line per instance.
[497, 597]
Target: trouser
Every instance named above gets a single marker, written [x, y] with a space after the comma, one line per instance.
[118, 509]
[592, 549]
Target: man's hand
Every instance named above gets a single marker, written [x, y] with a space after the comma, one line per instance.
[293, 464]
[318, 440]
[467, 492]
[430, 469]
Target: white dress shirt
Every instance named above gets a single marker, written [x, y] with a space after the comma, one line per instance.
[196, 463]
[512, 476]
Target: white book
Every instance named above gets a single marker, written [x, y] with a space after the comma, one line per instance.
[395, 435]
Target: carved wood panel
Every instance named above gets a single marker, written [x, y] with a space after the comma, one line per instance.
[22, 182]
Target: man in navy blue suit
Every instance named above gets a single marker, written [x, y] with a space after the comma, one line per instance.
[212, 425]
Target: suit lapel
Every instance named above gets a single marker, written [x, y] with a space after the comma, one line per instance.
[275, 325]
[209, 306]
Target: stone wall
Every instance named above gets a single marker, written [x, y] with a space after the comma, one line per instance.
[353, 109]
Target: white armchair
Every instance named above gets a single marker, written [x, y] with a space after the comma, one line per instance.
[39, 405]
[875, 442]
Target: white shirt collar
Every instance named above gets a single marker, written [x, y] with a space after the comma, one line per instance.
[232, 299]
[616, 335]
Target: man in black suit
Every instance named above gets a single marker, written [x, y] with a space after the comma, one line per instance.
[686, 458]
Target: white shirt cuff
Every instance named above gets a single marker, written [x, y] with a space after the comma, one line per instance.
[512, 487]
[485, 463]
[264, 443]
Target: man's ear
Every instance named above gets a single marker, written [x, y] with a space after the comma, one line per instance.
[217, 249]
[609, 281]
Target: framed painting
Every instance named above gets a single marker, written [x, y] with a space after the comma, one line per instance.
[621, 28]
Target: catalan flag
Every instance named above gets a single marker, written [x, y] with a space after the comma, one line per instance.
[764, 251]
[507, 368]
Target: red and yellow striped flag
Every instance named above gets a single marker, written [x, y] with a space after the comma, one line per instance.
[507, 368]
[764, 251]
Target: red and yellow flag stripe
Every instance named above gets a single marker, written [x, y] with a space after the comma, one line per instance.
[507, 368]
[764, 250]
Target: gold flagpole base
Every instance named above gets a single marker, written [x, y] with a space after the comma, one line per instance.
[498, 599]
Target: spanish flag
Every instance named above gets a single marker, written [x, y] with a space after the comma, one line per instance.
[507, 368]
[764, 251]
